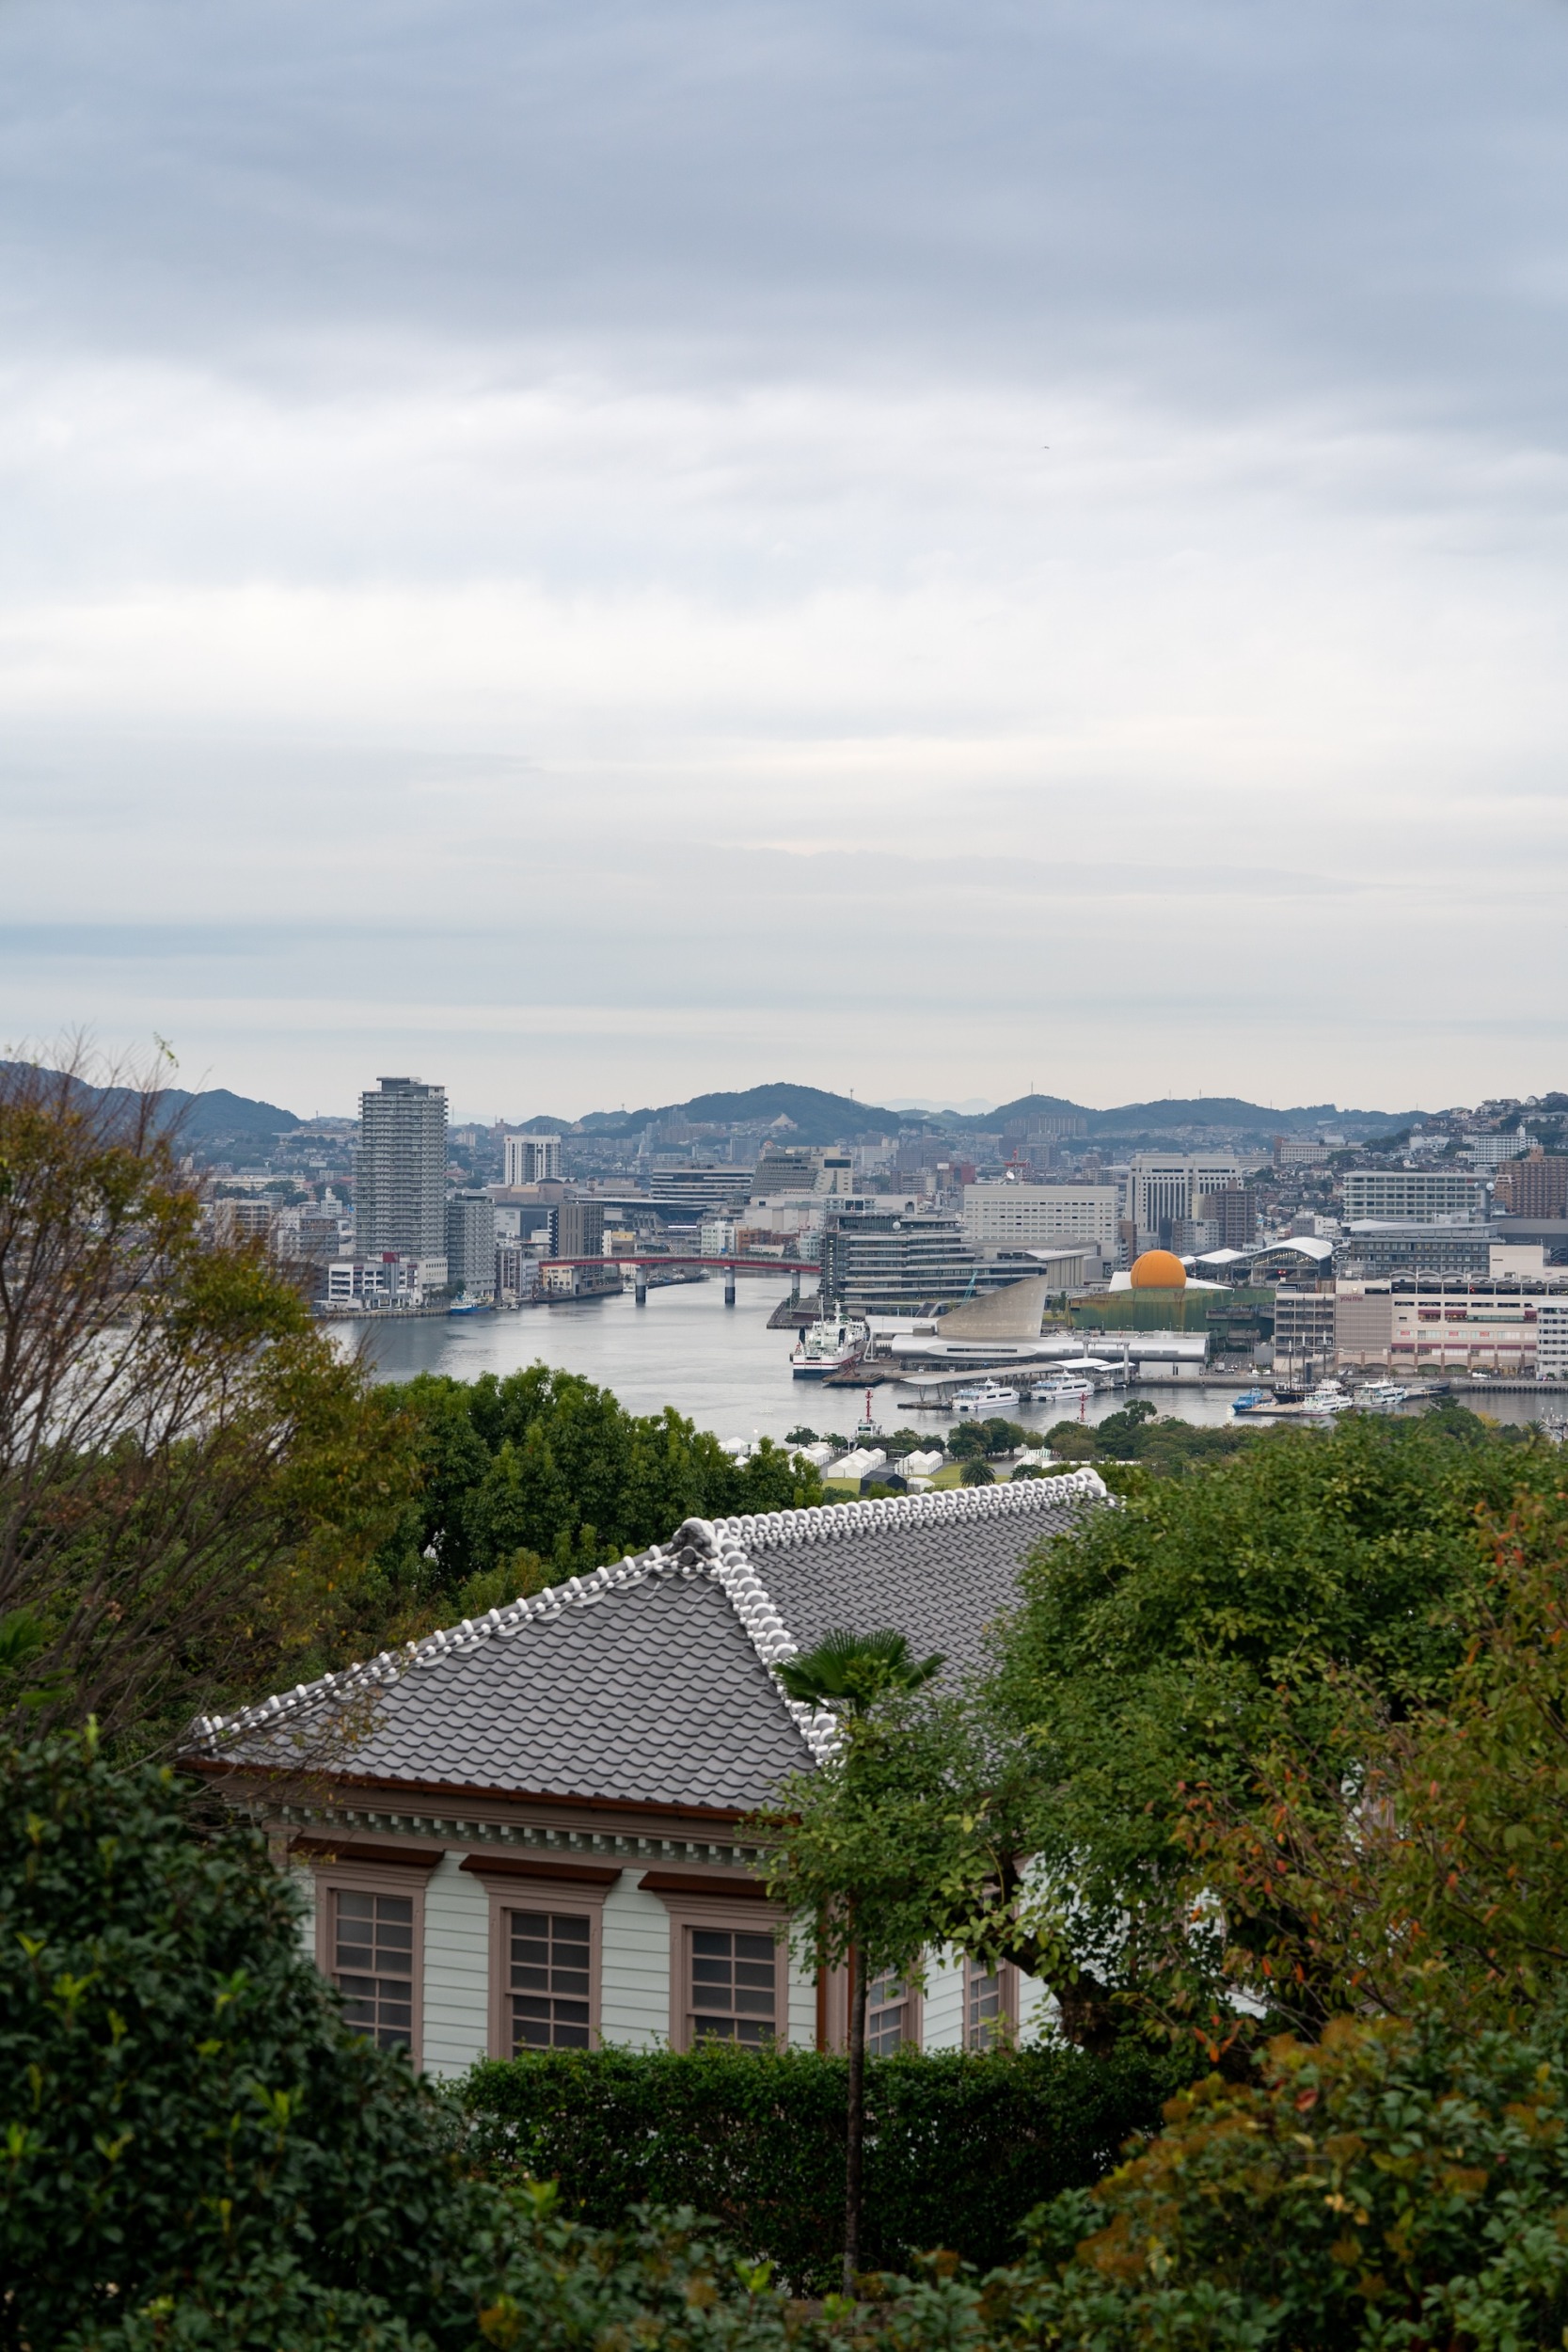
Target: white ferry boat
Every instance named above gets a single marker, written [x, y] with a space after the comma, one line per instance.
[1062, 1388]
[1381, 1396]
[986, 1397]
[828, 1346]
[1327, 1397]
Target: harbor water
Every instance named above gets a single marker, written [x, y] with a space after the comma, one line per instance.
[727, 1372]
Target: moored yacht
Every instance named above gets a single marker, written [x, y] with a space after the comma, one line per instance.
[986, 1396]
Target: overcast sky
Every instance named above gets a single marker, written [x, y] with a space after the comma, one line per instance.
[590, 552]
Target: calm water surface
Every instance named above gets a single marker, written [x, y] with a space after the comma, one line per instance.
[720, 1366]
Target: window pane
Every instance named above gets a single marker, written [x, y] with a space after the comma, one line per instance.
[374, 1963]
[550, 1981]
[734, 1983]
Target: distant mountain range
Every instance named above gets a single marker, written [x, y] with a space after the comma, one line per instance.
[817, 1116]
[215, 1116]
[813, 1116]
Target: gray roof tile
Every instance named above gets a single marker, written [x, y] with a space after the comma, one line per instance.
[650, 1682]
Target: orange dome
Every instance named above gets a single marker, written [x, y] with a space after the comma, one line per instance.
[1159, 1270]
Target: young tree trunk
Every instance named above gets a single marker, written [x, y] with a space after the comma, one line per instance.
[855, 2132]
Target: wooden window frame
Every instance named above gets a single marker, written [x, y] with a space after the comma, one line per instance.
[737, 1905]
[576, 1890]
[915, 2017]
[347, 1872]
[1008, 2017]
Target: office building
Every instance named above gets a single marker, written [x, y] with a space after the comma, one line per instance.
[1379, 1252]
[471, 1244]
[1465, 1326]
[1411, 1196]
[1299, 1151]
[532, 1160]
[899, 1262]
[690, 1192]
[1536, 1185]
[1363, 1324]
[716, 1237]
[577, 1228]
[1164, 1186]
[1039, 1216]
[1232, 1211]
[400, 1174]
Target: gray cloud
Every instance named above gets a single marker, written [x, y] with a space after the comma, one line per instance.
[545, 506]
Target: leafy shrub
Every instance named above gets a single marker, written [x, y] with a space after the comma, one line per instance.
[190, 2132]
[960, 2147]
[1399, 2185]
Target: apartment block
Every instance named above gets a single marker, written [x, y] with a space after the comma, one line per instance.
[577, 1228]
[471, 1244]
[400, 1171]
[532, 1160]
[1536, 1185]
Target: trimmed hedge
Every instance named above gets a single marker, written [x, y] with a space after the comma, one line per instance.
[960, 2147]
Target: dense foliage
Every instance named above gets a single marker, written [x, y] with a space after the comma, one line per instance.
[535, 1477]
[960, 2147]
[1398, 2185]
[183, 2116]
[1164, 1444]
[1170, 1641]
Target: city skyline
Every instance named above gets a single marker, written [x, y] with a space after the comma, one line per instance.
[618, 547]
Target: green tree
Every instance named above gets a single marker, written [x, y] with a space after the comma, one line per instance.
[191, 1474]
[1179, 1638]
[541, 1474]
[854, 1888]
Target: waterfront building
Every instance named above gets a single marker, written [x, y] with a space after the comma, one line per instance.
[1535, 1186]
[563, 1787]
[1411, 1196]
[387, 1280]
[400, 1173]
[517, 1273]
[716, 1237]
[577, 1228]
[897, 1262]
[532, 1160]
[1305, 1337]
[471, 1244]
[1551, 1338]
[1040, 1217]
[1435, 1323]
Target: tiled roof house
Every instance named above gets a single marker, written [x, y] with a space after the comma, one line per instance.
[524, 1832]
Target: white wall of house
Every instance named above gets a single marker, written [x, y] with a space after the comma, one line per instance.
[634, 2001]
[942, 2008]
[456, 1968]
